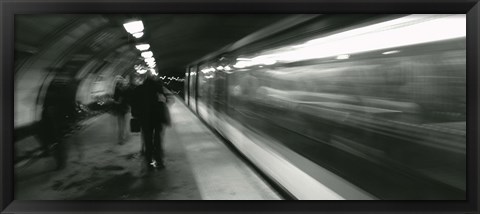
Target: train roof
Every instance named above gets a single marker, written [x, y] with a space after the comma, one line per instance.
[277, 27]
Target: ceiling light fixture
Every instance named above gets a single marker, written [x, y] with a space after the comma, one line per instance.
[141, 71]
[142, 47]
[137, 35]
[149, 60]
[147, 54]
[344, 56]
[133, 26]
[390, 52]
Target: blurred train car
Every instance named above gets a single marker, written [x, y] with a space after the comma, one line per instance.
[344, 106]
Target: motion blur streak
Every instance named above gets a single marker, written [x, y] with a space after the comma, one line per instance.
[414, 29]
[379, 101]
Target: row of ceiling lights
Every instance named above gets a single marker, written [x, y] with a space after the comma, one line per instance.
[135, 28]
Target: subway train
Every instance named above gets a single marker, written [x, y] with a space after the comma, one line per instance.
[334, 107]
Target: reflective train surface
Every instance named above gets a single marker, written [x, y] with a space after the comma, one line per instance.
[344, 106]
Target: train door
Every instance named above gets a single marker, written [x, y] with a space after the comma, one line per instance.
[219, 97]
[192, 83]
[185, 86]
[204, 93]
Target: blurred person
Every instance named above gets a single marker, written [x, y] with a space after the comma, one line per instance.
[135, 80]
[57, 118]
[50, 135]
[121, 108]
[150, 108]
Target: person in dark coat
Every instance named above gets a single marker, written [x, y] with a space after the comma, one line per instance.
[152, 113]
[121, 108]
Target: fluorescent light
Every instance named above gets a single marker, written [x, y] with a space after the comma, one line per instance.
[345, 56]
[137, 67]
[141, 71]
[147, 54]
[143, 47]
[391, 52]
[267, 62]
[261, 60]
[137, 35]
[241, 64]
[153, 71]
[208, 70]
[133, 27]
[149, 60]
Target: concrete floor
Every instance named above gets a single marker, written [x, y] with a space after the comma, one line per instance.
[199, 167]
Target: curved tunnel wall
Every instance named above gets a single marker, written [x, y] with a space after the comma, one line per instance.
[76, 56]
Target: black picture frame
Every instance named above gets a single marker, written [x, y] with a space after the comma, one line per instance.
[9, 8]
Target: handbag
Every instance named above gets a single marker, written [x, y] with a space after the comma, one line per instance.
[134, 125]
[166, 114]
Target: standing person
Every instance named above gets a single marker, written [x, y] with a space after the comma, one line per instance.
[152, 113]
[121, 108]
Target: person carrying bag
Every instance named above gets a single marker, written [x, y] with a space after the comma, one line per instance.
[150, 114]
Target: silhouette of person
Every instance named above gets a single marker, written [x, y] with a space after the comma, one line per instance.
[152, 113]
[121, 108]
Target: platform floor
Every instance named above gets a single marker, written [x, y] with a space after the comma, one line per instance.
[198, 167]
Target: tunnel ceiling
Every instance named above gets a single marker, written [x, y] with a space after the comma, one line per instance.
[175, 39]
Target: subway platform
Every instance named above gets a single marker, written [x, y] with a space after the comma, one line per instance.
[199, 166]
